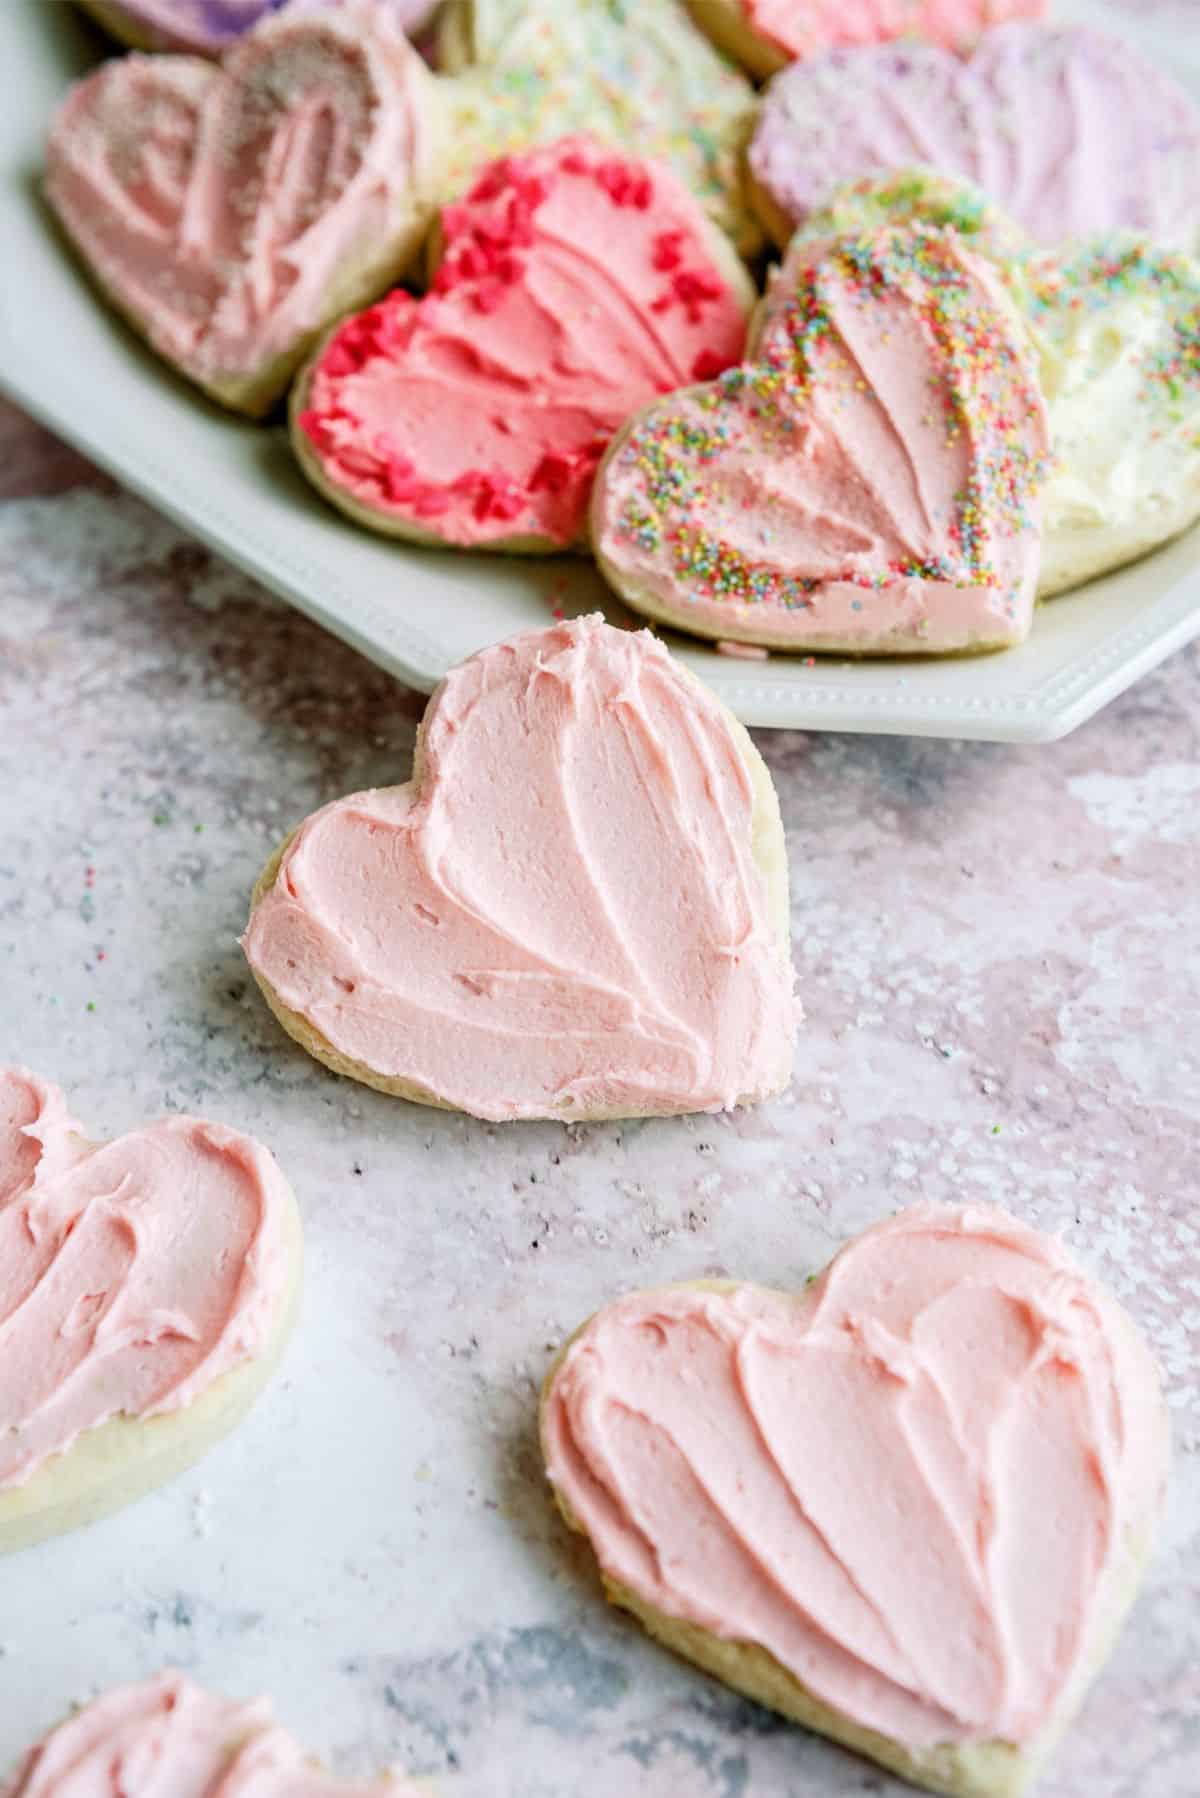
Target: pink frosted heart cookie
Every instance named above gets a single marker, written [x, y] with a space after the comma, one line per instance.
[765, 35]
[868, 482]
[1068, 130]
[210, 27]
[908, 1507]
[146, 1287]
[169, 1738]
[231, 213]
[574, 286]
[576, 909]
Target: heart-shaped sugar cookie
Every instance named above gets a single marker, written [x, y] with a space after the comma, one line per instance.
[867, 482]
[210, 27]
[170, 1737]
[1115, 322]
[231, 213]
[765, 35]
[634, 73]
[146, 1287]
[576, 909]
[1069, 130]
[908, 1507]
[574, 286]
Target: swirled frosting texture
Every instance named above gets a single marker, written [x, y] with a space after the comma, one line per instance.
[1115, 322]
[219, 207]
[575, 285]
[802, 28]
[132, 1275]
[640, 77]
[869, 480]
[909, 1484]
[209, 27]
[563, 915]
[168, 1736]
[1069, 130]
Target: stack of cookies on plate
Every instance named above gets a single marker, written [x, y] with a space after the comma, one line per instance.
[512, 285]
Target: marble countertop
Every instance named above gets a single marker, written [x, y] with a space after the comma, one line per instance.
[995, 951]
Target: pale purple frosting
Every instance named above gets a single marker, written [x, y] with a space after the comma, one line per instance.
[209, 26]
[1071, 131]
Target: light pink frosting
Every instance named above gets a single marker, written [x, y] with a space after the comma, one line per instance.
[869, 480]
[1068, 130]
[132, 1275]
[576, 284]
[168, 1738]
[217, 206]
[909, 1483]
[799, 28]
[565, 917]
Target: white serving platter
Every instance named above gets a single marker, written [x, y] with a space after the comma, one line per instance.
[416, 612]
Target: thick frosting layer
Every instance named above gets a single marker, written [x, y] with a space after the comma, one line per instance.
[219, 207]
[869, 481]
[909, 1484]
[210, 27]
[132, 1275]
[575, 286]
[641, 78]
[1116, 323]
[1069, 130]
[801, 28]
[564, 915]
[168, 1738]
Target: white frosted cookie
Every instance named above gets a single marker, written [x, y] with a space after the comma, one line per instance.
[868, 481]
[1115, 322]
[577, 908]
[147, 1286]
[638, 76]
[222, 216]
[477, 415]
[169, 1738]
[908, 1507]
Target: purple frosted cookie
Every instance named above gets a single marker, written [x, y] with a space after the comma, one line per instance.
[207, 27]
[1069, 130]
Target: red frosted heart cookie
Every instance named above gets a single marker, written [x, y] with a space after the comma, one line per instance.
[576, 909]
[907, 1507]
[868, 481]
[231, 213]
[146, 1286]
[574, 286]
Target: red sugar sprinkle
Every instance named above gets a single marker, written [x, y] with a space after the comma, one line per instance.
[708, 365]
[625, 185]
[668, 249]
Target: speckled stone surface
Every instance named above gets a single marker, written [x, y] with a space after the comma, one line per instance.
[996, 953]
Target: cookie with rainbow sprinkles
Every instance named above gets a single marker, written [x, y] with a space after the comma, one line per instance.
[869, 481]
[1115, 321]
[635, 73]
